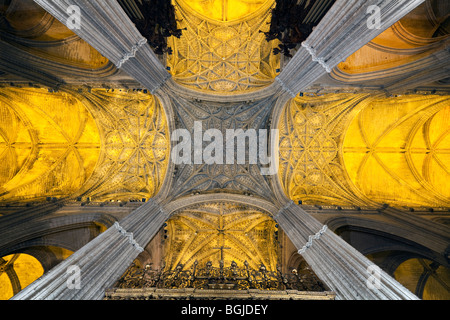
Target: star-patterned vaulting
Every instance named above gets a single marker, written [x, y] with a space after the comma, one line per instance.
[49, 153]
[235, 177]
[358, 150]
[77, 130]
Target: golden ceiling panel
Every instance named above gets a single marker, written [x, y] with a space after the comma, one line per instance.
[225, 57]
[17, 271]
[342, 149]
[310, 168]
[102, 144]
[135, 145]
[397, 151]
[49, 144]
[221, 232]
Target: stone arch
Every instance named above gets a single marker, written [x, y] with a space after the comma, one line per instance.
[222, 221]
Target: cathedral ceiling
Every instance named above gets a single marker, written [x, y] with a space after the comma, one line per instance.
[110, 146]
[45, 152]
[366, 151]
[221, 231]
[73, 125]
[222, 50]
[242, 177]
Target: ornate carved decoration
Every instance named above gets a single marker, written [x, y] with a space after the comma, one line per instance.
[311, 130]
[135, 145]
[242, 178]
[102, 145]
[233, 277]
[222, 57]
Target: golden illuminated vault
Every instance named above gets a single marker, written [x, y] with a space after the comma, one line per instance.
[221, 232]
[342, 149]
[45, 150]
[135, 145]
[51, 145]
[219, 54]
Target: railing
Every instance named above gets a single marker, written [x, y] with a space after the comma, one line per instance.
[225, 278]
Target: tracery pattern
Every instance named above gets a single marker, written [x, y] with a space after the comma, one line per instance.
[101, 145]
[221, 232]
[222, 56]
[311, 129]
[135, 145]
[44, 151]
[354, 150]
[241, 178]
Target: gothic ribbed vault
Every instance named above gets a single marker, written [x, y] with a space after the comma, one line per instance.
[357, 120]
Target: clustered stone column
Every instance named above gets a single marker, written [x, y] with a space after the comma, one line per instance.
[108, 29]
[101, 262]
[342, 31]
[340, 266]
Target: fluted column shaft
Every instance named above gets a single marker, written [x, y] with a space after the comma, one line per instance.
[107, 28]
[342, 31]
[341, 267]
[102, 261]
